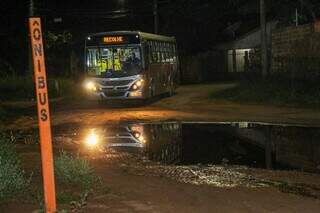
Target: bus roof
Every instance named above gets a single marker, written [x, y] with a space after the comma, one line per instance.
[143, 35]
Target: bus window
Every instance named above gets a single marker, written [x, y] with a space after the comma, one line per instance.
[146, 54]
[167, 57]
[158, 56]
[170, 52]
[149, 50]
[93, 61]
[152, 52]
[114, 62]
[167, 52]
[162, 52]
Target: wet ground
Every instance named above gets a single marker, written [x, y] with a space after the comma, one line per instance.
[197, 167]
[160, 158]
[190, 103]
[257, 145]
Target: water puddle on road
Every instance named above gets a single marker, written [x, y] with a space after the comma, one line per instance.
[248, 144]
[217, 154]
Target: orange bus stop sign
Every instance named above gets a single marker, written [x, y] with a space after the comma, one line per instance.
[43, 114]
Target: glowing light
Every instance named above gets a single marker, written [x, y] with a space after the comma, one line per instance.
[135, 94]
[90, 86]
[141, 139]
[89, 38]
[137, 134]
[139, 83]
[134, 87]
[92, 139]
[113, 39]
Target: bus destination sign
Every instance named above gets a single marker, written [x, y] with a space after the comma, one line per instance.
[113, 39]
[94, 40]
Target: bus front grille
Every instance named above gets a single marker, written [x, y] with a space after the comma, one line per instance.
[115, 94]
[116, 83]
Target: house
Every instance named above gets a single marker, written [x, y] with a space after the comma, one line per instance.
[242, 53]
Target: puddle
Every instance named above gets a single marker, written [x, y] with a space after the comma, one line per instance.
[249, 144]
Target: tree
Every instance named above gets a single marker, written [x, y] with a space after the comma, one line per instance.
[309, 7]
[58, 49]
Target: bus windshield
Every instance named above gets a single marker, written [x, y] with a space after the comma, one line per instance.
[113, 62]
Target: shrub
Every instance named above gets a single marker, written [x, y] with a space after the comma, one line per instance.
[2, 113]
[12, 180]
[70, 89]
[74, 170]
[22, 88]
[15, 87]
[276, 89]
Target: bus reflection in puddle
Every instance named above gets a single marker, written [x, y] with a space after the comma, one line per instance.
[249, 144]
[123, 137]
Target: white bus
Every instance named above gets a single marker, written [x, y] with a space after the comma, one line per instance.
[130, 65]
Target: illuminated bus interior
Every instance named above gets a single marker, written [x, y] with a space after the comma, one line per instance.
[113, 61]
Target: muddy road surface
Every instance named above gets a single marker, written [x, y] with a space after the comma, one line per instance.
[190, 103]
[155, 157]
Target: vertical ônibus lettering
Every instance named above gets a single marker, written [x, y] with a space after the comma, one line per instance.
[43, 114]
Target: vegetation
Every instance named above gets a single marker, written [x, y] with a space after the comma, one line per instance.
[74, 170]
[3, 113]
[276, 89]
[22, 88]
[75, 178]
[12, 179]
[15, 88]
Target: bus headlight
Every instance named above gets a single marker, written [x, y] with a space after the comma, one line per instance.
[137, 85]
[90, 86]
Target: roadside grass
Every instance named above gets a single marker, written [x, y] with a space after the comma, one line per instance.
[13, 182]
[3, 113]
[16, 88]
[276, 90]
[75, 181]
[74, 176]
[16, 92]
[12, 111]
[75, 171]
[21, 88]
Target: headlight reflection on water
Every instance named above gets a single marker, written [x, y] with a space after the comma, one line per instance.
[138, 133]
[92, 139]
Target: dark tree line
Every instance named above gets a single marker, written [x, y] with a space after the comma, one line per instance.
[198, 25]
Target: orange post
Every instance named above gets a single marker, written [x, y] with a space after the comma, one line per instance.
[43, 114]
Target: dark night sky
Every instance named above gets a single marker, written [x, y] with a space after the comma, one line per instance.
[197, 24]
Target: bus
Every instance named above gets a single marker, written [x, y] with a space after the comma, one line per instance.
[130, 65]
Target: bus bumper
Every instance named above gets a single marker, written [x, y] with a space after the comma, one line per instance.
[139, 94]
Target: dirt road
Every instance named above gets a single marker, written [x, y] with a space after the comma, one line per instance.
[137, 186]
[133, 184]
[191, 103]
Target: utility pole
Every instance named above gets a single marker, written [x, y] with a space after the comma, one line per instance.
[297, 17]
[155, 16]
[30, 63]
[31, 8]
[264, 44]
